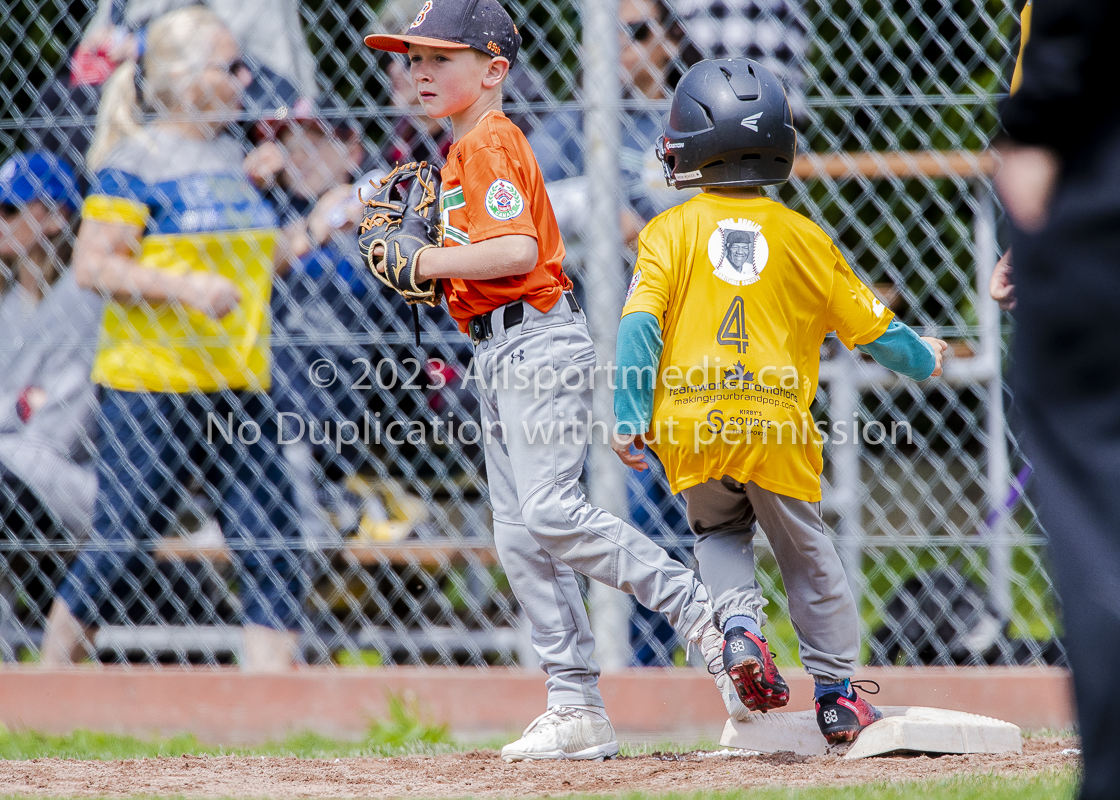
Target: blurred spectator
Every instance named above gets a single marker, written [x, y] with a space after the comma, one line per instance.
[653, 51]
[38, 198]
[184, 247]
[269, 32]
[48, 333]
[773, 32]
[1001, 285]
[313, 149]
[1059, 180]
[322, 309]
[330, 308]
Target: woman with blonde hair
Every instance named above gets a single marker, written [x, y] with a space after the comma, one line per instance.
[184, 249]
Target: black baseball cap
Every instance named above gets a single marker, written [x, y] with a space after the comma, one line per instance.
[457, 25]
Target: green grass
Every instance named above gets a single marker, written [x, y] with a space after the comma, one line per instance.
[403, 733]
[1057, 785]
[363, 658]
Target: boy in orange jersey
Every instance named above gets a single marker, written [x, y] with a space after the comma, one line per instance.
[500, 268]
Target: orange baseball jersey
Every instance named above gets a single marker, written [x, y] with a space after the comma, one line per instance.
[492, 186]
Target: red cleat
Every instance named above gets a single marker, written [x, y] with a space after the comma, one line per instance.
[747, 660]
[841, 716]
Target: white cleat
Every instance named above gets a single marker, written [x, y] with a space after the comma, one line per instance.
[565, 733]
[707, 637]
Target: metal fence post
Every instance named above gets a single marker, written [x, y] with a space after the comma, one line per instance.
[843, 400]
[999, 482]
[610, 608]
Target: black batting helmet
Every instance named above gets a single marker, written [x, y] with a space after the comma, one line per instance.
[730, 125]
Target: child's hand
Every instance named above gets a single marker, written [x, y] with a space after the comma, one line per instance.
[334, 211]
[212, 294]
[939, 347]
[263, 164]
[620, 443]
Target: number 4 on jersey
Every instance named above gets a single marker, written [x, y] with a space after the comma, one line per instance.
[733, 329]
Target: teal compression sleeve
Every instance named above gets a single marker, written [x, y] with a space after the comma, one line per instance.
[902, 350]
[638, 355]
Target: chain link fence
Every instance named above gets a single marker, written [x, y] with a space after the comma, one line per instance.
[359, 515]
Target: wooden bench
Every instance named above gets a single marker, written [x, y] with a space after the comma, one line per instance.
[885, 165]
[426, 554]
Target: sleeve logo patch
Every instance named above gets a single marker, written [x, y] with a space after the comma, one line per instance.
[633, 284]
[503, 201]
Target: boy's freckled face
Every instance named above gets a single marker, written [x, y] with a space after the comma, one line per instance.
[447, 81]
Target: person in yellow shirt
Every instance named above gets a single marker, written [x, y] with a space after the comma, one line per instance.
[719, 358]
[183, 248]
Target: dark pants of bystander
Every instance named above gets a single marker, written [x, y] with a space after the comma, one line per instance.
[1067, 383]
[153, 450]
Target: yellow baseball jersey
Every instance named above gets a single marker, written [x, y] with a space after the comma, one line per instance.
[745, 291]
[198, 213]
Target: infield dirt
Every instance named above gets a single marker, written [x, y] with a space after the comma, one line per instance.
[481, 773]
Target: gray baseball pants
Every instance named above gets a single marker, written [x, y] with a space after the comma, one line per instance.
[722, 514]
[534, 381]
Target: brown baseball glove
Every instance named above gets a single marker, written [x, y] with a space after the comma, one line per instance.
[402, 217]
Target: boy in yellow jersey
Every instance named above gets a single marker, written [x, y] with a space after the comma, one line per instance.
[719, 354]
[501, 269]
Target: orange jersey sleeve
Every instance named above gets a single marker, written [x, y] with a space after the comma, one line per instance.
[492, 186]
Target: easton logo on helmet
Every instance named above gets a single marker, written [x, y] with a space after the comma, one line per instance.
[751, 122]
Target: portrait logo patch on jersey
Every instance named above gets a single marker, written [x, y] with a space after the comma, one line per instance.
[503, 201]
[738, 251]
[633, 284]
